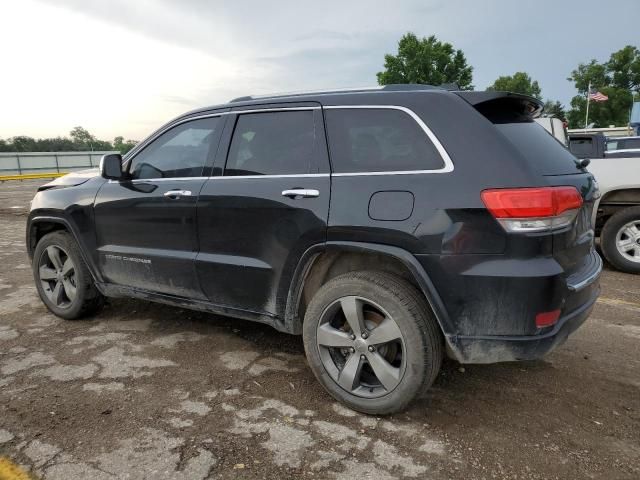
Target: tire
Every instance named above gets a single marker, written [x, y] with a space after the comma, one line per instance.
[413, 360]
[617, 229]
[76, 296]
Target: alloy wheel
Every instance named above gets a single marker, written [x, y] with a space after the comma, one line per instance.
[57, 274]
[361, 347]
[628, 241]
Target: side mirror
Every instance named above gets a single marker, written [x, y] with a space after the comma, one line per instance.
[111, 166]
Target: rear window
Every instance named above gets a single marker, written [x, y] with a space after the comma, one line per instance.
[378, 140]
[581, 147]
[539, 147]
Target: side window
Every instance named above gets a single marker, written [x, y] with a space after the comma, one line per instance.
[378, 140]
[272, 143]
[179, 152]
[632, 143]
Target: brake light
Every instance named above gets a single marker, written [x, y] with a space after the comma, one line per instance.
[546, 319]
[533, 209]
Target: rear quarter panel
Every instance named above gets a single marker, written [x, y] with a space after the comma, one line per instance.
[614, 174]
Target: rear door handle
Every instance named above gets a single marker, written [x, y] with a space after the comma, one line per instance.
[301, 193]
[174, 194]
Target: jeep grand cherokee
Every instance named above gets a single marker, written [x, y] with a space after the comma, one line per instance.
[388, 226]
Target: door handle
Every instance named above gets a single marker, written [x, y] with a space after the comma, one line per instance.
[301, 193]
[174, 194]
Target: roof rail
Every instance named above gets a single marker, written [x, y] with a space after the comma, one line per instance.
[388, 88]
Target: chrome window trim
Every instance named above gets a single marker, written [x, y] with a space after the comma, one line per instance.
[448, 163]
[293, 175]
[147, 180]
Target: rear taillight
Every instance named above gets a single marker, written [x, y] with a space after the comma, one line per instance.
[533, 209]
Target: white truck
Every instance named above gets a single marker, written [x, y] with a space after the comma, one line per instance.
[615, 163]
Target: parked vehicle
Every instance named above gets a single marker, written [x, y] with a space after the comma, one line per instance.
[366, 221]
[556, 127]
[615, 163]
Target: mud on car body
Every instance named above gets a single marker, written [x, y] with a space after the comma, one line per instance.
[389, 227]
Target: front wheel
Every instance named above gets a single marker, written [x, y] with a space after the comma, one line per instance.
[620, 240]
[372, 341]
[62, 278]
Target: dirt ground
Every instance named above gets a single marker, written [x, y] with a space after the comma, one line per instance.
[150, 391]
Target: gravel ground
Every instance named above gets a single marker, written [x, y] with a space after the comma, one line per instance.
[150, 391]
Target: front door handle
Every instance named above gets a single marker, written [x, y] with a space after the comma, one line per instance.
[301, 193]
[175, 194]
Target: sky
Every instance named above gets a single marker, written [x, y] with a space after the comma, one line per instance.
[125, 67]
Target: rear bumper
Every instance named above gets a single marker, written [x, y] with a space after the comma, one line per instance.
[503, 348]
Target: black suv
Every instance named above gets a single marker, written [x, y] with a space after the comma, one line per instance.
[388, 226]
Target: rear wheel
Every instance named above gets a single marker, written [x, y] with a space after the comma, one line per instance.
[62, 278]
[620, 240]
[371, 341]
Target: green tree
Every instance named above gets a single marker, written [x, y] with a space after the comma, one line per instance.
[426, 61]
[123, 146]
[614, 111]
[624, 68]
[23, 143]
[618, 78]
[554, 109]
[519, 82]
[82, 137]
[593, 73]
[81, 140]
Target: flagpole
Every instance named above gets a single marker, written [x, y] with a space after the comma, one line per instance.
[586, 118]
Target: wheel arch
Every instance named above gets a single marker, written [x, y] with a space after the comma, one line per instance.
[40, 225]
[614, 200]
[320, 263]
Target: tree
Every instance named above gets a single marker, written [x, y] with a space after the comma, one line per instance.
[614, 111]
[122, 146]
[593, 73]
[426, 61]
[554, 109]
[624, 68]
[81, 140]
[82, 137]
[24, 144]
[519, 82]
[618, 78]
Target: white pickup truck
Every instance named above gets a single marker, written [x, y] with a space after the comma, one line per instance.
[615, 163]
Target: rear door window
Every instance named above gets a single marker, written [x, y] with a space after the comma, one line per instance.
[272, 143]
[582, 147]
[378, 140]
[539, 147]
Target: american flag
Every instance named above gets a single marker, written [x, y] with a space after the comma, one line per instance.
[596, 96]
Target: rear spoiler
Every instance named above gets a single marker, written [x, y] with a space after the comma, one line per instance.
[504, 107]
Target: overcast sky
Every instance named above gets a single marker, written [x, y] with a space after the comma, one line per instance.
[124, 67]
